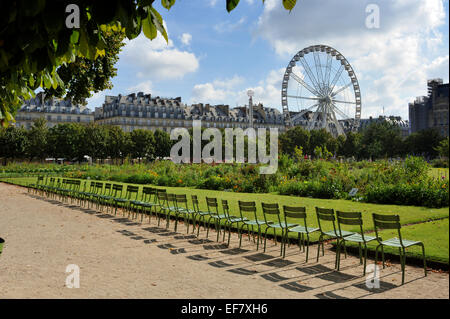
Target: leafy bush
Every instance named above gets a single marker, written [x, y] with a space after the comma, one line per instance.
[385, 182]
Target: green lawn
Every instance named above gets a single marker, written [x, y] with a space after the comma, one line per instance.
[433, 234]
[408, 214]
[439, 172]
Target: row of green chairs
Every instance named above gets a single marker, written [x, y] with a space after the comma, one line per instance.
[158, 203]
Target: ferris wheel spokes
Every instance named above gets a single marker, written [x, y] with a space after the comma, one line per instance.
[325, 84]
[341, 89]
[304, 84]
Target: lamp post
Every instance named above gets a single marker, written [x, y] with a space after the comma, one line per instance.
[250, 94]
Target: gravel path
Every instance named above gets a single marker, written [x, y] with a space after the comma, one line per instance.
[122, 258]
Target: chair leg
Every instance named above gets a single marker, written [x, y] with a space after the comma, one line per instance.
[259, 235]
[337, 257]
[318, 247]
[229, 233]
[218, 229]
[402, 262]
[424, 260]
[307, 246]
[360, 254]
[240, 237]
[265, 237]
[376, 260]
[365, 259]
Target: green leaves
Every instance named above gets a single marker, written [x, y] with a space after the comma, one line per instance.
[152, 24]
[34, 39]
[231, 4]
[167, 3]
[289, 4]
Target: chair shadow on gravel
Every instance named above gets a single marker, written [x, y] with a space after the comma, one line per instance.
[242, 261]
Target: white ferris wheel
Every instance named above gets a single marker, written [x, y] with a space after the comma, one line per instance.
[320, 90]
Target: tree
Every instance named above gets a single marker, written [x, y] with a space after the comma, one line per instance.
[162, 143]
[350, 146]
[296, 137]
[116, 143]
[83, 76]
[13, 142]
[67, 141]
[95, 139]
[142, 144]
[321, 138]
[37, 139]
[442, 149]
[37, 37]
[424, 142]
[380, 140]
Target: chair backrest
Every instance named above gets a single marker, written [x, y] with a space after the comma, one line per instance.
[162, 197]
[132, 192]
[181, 201]
[76, 185]
[117, 190]
[107, 189]
[271, 209]
[98, 188]
[327, 215]
[195, 203]
[213, 206]
[148, 193]
[350, 218]
[226, 208]
[296, 213]
[247, 207]
[172, 200]
[387, 222]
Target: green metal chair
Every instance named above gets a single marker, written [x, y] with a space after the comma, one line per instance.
[104, 198]
[32, 187]
[132, 196]
[273, 209]
[171, 207]
[353, 219]
[297, 213]
[147, 202]
[393, 222]
[250, 207]
[184, 211]
[116, 196]
[198, 213]
[213, 209]
[162, 202]
[325, 215]
[230, 220]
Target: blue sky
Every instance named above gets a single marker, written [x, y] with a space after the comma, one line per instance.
[214, 56]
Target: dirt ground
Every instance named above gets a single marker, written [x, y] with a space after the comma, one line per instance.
[123, 258]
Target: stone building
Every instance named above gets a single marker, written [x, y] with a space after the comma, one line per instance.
[145, 111]
[431, 111]
[54, 110]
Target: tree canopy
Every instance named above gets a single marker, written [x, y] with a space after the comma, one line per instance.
[38, 37]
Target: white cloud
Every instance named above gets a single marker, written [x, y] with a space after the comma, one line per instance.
[212, 3]
[145, 86]
[228, 26]
[392, 63]
[186, 38]
[219, 91]
[157, 59]
[232, 91]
